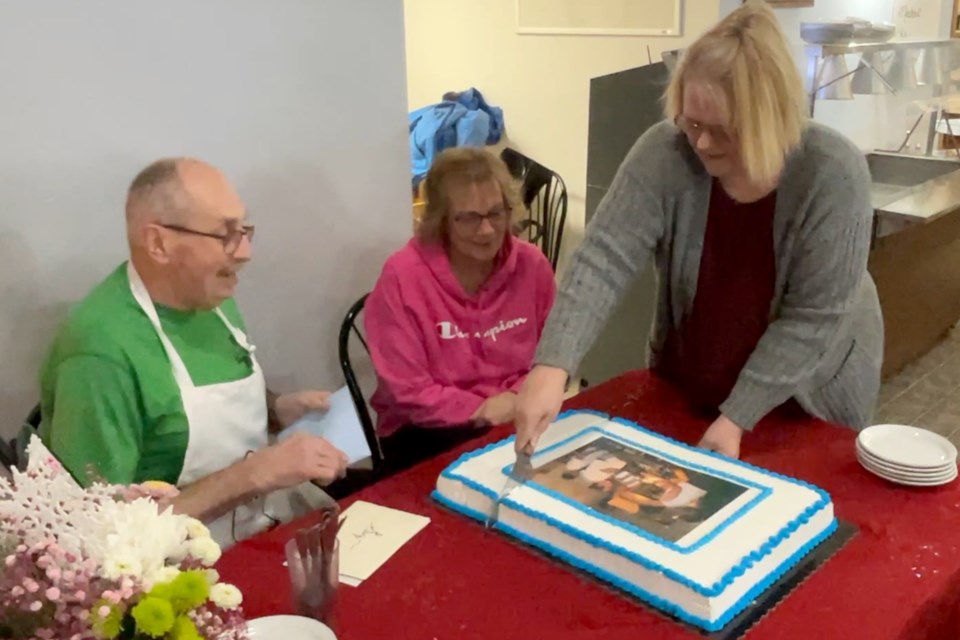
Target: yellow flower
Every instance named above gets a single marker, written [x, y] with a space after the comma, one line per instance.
[189, 590]
[184, 629]
[163, 591]
[154, 617]
[107, 620]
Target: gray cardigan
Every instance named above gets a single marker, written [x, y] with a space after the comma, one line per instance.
[824, 344]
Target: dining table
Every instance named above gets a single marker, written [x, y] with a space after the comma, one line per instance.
[897, 578]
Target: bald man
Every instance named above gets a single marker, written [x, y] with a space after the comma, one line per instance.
[152, 376]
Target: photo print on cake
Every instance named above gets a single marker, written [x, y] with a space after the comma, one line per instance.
[661, 497]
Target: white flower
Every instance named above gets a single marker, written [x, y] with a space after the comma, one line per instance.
[141, 530]
[213, 576]
[162, 576]
[205, 550]
[122, 564]
[196, 529]
[226, 596]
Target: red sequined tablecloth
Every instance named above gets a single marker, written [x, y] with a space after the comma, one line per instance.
[899, 578]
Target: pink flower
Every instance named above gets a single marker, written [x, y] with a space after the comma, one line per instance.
[10, 561]
[17, 591]
[31, 585]
[54, 573]
[103, 611]
[36, 605]
[52, 594]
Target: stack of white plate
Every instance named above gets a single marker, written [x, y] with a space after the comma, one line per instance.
[907, 455]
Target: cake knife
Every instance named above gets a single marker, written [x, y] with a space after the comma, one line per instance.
[520, 473]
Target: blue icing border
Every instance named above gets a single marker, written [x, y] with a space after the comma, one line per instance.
[764, 493]
[648, 597]
[707, 590]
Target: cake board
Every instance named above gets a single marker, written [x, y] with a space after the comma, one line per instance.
[746, 619]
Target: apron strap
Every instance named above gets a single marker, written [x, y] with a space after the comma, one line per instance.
[140, 294]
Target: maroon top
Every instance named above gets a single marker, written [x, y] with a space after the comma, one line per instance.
[731, 309]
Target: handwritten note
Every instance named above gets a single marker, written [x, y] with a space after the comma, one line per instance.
[370, 535]
[917, 18]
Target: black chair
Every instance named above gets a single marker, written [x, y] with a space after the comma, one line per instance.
[350, 326]
[544, 194]
[13, 453]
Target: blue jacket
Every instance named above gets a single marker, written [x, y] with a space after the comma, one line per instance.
[461, 120]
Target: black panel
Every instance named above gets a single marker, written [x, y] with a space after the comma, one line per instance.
[623, 106]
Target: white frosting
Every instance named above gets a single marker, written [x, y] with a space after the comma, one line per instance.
[706, 556]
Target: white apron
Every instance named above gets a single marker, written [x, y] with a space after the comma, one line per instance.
[227, 421]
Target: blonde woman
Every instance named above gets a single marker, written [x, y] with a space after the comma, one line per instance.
[759, 222]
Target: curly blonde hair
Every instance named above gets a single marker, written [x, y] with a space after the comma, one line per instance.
[747, 59]
[455, 168]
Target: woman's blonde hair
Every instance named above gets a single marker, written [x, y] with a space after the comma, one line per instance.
[456, 168]
[747, 59]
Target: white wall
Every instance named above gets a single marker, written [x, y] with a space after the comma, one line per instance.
[301, 102]
[542, 82]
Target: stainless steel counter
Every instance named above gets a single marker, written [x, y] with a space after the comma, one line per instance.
[911, 189]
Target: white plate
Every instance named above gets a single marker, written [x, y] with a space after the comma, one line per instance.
[288, 628]
[907, 446]
[871, 460]
[911, 482]
[943, 476]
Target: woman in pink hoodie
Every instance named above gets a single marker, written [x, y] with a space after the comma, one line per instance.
[453, 321]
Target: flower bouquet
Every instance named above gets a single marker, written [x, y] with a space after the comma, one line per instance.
[105, 562]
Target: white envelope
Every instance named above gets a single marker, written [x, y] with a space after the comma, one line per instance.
[340, 426]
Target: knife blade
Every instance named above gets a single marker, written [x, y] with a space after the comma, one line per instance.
[520, 473]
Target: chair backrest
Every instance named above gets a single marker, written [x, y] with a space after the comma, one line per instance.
[351, 326]
[13, 453]
[544, 194]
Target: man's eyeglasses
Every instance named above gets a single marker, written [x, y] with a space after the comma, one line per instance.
[473, 219]
[694, 130]
[231, 238]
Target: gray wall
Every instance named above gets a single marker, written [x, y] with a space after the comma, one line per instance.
[301, 102]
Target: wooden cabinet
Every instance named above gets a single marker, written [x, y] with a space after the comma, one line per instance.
[955, 20]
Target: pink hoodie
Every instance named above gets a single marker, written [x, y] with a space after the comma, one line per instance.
[439, 352]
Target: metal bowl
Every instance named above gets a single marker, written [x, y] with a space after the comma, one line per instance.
[874, 32]
[836, 32]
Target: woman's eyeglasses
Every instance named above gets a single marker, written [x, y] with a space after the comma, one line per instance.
[231, 239]
[472, 219]
[694, 130]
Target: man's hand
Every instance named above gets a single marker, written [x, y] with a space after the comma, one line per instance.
[298, 459]
[538, 404]
[290, 407]
[495, 410]
[723, 436]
